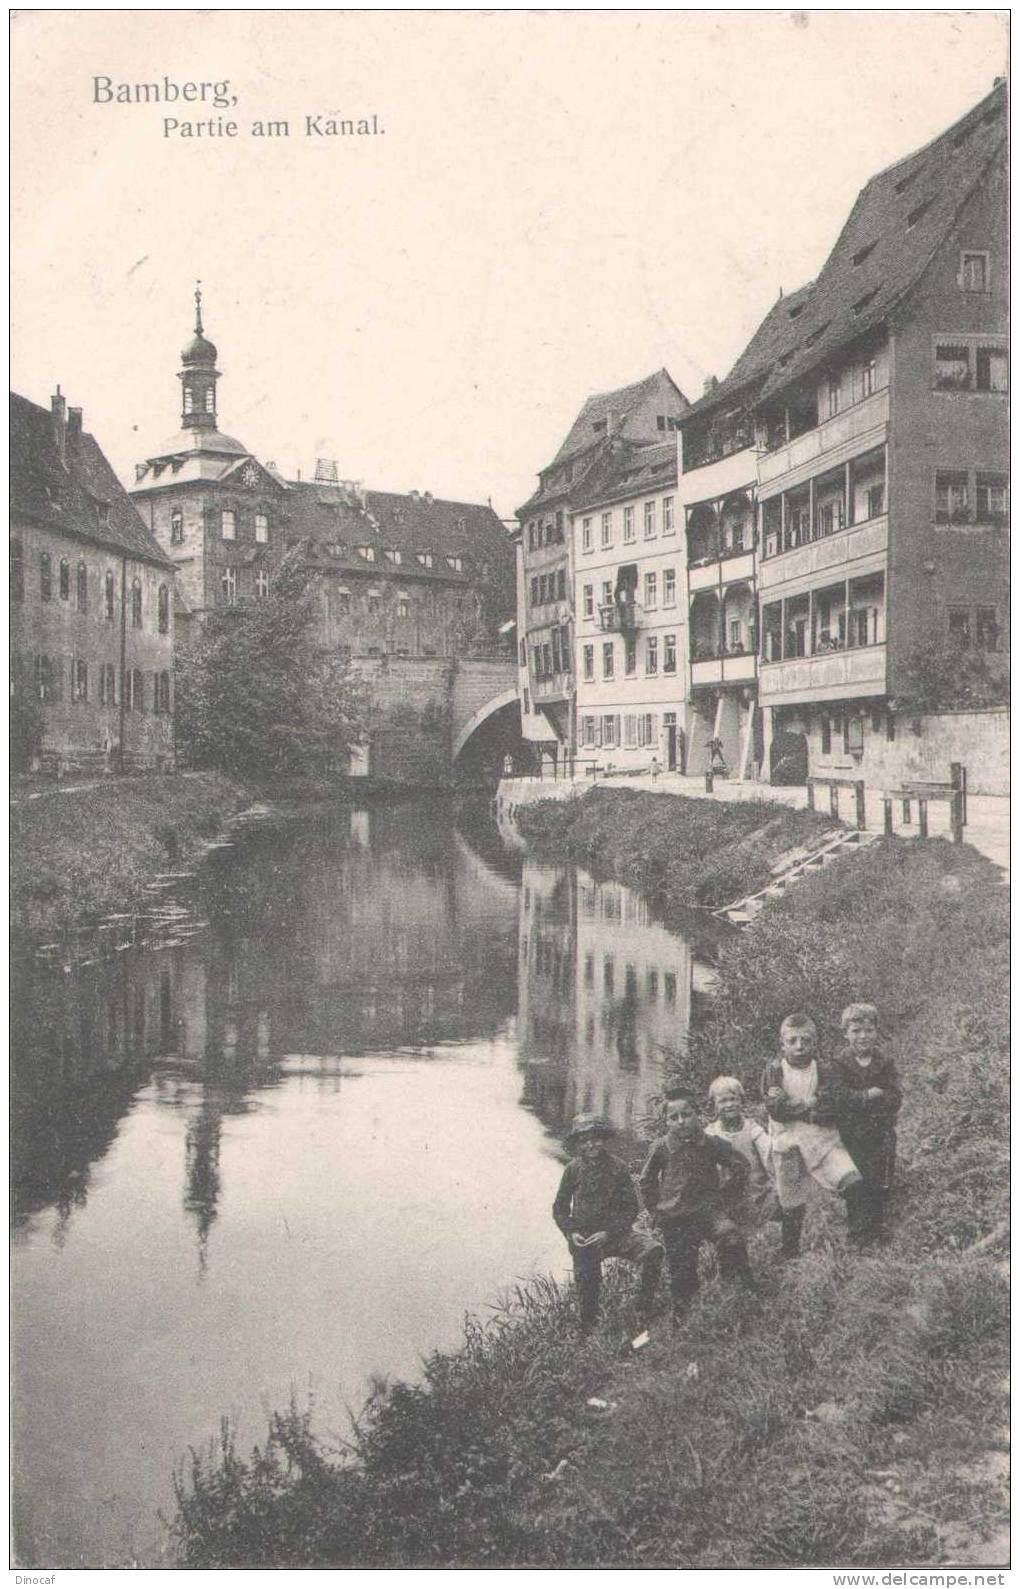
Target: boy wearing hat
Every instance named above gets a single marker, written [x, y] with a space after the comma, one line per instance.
[595, 1208]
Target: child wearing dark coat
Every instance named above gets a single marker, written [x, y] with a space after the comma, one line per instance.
[595, 1208]
[870, 1100]
[681, 1189]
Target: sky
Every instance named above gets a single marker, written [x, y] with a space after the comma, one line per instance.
[557, 204]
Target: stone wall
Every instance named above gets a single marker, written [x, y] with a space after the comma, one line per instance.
[921, 748]
[418, 706]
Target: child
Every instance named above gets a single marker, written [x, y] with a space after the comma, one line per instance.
[803, 1097]
[749, 1139]
[680, 1185]
[595, 1208]
[871, 1101]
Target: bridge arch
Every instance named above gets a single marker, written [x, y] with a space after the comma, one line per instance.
[488, 709]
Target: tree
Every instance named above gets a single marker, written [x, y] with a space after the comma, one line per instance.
[256, 695]
[944, 675]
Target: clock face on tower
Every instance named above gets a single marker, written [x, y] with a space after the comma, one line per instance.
[250, 474]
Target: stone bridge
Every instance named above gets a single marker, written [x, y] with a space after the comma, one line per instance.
[433, 717]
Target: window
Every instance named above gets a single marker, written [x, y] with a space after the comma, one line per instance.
[992, 497]
[973, 275]
[527, 703]
[534, 591]
[45, 577]
[607, 593]
[261, 584]
[531, 537]
[176, 527]
[651, 590]
[522, 655]
[403, 607]
[65, 579]
[136, 604]
[137, 694]
[368, 553]
[607, 659]
[161, 692]
[668, 516]
[628, 524]
[163, 610]
[561, 584]
[343, 601]
[588, 662]
[630, 657]
[109, 597]
[649, 520]
[610, 732]
[874, 498]
[228, 524]
[82, 587]
[986, 629]
[736, 637]
[107, 685]
[853, 734]
[826, 735]
[457, 564]
[652, 655]
[959, 626]
[262, 528]
[47, 679]
[629, 731]
[587, 536]
[80, 680]
[669, 587]
[834, 396]
[669, 653]
[647, 729]
[992, 370]
[395, 556]
[607, 530]
[588, 603]
[952, 505]
[556, 659]
[588, 731]
[189, 400]
[373, 601]
[228, 585]
[952, 367]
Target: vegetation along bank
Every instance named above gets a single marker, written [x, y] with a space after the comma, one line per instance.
[854, 1414]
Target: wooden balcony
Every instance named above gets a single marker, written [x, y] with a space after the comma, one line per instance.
[829, 554]
[832, 675]
[855, 430]
[619, 617]
[734, 668]
[724, 570]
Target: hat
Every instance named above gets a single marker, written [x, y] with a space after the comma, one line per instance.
[589, 1126]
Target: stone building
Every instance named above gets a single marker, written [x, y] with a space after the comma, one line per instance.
[397, 574]
[92, 611]
[648, 411]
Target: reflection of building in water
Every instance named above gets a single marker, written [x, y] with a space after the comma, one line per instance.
[605, 995]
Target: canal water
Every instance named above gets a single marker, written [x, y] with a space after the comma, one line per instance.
[285, 1140]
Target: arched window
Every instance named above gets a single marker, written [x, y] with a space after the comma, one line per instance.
[45, 577]
[210, 400]
[65, 580]
[81, 680]
[17, 571]
[82, 587]
[176, 527]
[136, 603]
[163, 609]
[109, 596]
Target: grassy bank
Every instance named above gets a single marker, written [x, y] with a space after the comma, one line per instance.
[77, 853]
[854, 1416]
[679, 852]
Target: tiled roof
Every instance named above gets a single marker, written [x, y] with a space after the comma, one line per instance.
[629, 469]
[331, 516]
[620, 403]
[81, 497]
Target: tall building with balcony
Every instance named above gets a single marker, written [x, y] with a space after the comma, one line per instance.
[717, 495]
[882, 435]
[631, 620]
[648, 411]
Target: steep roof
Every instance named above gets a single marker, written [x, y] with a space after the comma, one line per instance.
[629, 469]
[620, 404]
[337, 519]
[898, 221]
[79, 495]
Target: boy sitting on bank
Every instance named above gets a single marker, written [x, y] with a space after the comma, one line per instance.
[595, 1208]
[680, 1186]
[871, 1101]
[758, 1201]
[804, 1100]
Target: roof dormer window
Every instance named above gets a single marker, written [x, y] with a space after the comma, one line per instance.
[904, 182]
[917, 212]
[809, 341]
[368, 553]
[798, 308]
[424, 558]
[456, 563]
[393, 555]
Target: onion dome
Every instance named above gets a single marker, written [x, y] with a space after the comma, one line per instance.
[199, 350]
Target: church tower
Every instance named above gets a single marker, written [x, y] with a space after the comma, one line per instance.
[198, 377]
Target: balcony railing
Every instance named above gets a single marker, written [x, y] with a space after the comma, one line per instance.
[870, 414]
[619, 617]
[731, 667]
[828, 675]
[828, 552]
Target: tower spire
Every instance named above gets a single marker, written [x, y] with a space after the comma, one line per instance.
[198, 376]
[198, 308]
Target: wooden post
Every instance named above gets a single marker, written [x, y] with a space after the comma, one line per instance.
[958, 779]
[834, 799]
[810, 795]
[859, 803]
[887, 827]
[906, 811]
[922, 817]
[709, 781]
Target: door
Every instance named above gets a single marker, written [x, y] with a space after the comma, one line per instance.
[669, 722]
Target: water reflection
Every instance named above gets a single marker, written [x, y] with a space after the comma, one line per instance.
[605, 997]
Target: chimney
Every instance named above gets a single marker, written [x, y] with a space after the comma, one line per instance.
[711, 382]
[58, 409]
[74, 421]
